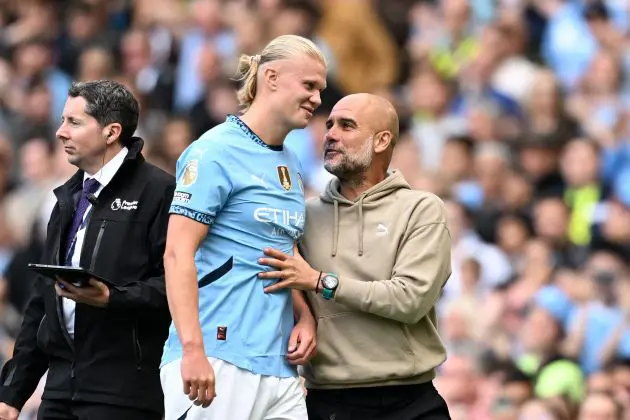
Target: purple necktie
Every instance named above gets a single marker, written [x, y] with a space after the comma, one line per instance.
[89, 187]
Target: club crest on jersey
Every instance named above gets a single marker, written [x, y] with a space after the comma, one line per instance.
[190, 173]
[284, 177]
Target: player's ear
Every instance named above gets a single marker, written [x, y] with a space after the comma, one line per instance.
[271, 77]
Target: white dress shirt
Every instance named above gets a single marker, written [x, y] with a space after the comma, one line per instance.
[104, 177]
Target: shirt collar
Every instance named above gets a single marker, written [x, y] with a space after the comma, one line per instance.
[250, 133]
[107, 172]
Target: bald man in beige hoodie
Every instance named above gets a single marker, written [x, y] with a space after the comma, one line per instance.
[375, 256]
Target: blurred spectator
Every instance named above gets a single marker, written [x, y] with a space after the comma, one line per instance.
[95, 63]
[495, 268]
[457, 168]
[301, 17]
[581, 169]
[155, 84]
[568, 45]
[593, 324]
[476, 93]
[512, 62]
[35, 115]
[431, 124]
[454, 44]
[177, 136]
[84, 28]
[6, 166]
[461, 384]
[595, 103]
[554, 374]
[365, 53]
[545, 107]
[542, 410]
[600, 406]
[33, 58]
[7, 246]
[23, 203]
[205, 26]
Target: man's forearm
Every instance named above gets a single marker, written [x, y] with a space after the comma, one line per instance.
[300, 305]
[143, 296]
[416, 282]
[183, 299]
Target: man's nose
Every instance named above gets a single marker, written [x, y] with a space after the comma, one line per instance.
[332, 136]
[316, 99]
[61, 133]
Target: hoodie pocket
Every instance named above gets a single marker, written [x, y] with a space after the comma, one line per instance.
[355, 347]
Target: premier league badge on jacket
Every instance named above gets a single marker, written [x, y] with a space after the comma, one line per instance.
[284, 177]
[190, 173]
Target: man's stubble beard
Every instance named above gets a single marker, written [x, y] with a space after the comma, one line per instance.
[352, 169]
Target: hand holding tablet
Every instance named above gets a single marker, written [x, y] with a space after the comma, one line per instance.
[77, 276]
[77, 284]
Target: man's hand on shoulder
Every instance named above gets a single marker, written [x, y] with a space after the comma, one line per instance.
[7, 412]
[97, 294]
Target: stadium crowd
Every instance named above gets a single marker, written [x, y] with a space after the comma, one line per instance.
[515, 112]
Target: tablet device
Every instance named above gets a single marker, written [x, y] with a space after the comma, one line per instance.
[77, 276]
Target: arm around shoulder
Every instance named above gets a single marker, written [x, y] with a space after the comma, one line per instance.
[422, 267]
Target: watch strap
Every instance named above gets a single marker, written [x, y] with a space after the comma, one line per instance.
[328, 293]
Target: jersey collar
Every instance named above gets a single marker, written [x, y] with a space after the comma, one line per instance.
[250, 133]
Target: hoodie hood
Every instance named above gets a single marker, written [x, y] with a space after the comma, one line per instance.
[369, 198]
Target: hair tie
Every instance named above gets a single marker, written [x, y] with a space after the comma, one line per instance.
[254, 59]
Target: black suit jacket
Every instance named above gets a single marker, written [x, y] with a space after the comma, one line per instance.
[115, 355]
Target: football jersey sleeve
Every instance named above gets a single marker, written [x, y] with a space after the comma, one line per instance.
[203, 185]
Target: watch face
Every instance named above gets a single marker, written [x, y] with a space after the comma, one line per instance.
[330, 282]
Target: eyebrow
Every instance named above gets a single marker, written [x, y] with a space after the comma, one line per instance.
[343, 120]
[347, 120]
[70, 117]
[316, 83]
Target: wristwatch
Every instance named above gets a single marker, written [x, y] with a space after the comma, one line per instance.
[330, 282]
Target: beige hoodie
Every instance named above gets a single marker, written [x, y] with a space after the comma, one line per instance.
[391, 249]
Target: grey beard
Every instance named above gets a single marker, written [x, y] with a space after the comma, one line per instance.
[353, 180]
[352, 171]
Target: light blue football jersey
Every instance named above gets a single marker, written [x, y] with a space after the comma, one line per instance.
[252, 196]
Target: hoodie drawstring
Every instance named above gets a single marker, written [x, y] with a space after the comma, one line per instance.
[335, 228]
[361, 225]
[332, 195]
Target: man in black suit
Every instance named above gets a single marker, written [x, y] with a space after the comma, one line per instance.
[101, 343]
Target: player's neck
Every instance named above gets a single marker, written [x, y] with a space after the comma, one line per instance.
[269, 130]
